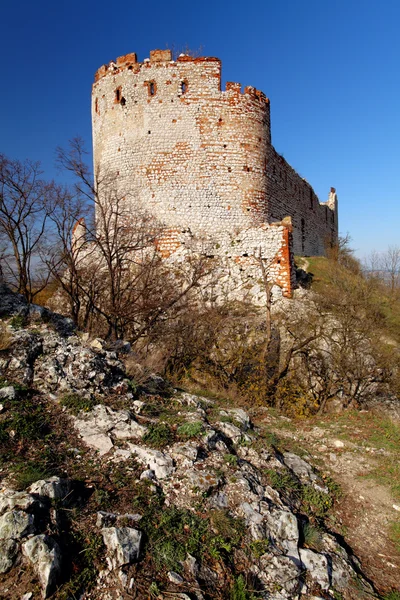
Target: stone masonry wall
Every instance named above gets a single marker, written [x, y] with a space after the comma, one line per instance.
[197, 158]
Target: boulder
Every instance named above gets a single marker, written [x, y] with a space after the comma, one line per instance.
[44, 554]
[8, 553]
[16, 524]
[123, 545]
[54, 488]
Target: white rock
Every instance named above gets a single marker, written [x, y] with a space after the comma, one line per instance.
[159, 462]
[123, 545]
[175, 578]
[8, 552]
[283, 527]
[8, 393]
[10, 499]
[45, 556]
[15, 525]
[148, 474]
[338, 444]
[231, 431]
[316, 565]
[54, 488]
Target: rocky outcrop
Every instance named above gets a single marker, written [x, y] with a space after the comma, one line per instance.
[206, 470]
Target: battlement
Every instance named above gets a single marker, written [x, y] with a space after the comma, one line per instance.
[157, 57]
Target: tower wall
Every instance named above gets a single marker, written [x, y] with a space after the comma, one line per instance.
[191, 154]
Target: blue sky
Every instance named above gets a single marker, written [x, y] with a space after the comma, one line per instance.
[330, 69]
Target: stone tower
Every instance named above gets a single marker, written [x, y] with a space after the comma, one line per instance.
[199, 158]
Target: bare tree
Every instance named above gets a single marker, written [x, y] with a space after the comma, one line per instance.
[121, 277]
[25, 207]
[391, 266]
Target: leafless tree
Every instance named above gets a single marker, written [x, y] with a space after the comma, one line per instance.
[25, 206]
[391, 266]
[121, 276]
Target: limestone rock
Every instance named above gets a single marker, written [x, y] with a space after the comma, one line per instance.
[123, 545]
[16, 524]
[8, 553]
[45, 556]
[316, 565]
[159, 462]
[54, 488]
[279, 571]
[97, 427]
[10, 499]
[8, 393]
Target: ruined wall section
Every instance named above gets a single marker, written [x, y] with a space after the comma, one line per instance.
[315, 224]
[191, 154]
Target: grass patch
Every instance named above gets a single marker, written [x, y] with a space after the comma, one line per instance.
[76, 403]
[259, 547]
[395, 534]
[27, 473]
[159, 435]
[315, 502]
[190, 430]
[239, 590]
[282, 481]
[312, 537]
[18, 322]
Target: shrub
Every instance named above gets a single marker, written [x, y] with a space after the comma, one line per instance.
[18, 322]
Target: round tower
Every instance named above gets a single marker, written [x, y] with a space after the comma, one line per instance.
[177, 146]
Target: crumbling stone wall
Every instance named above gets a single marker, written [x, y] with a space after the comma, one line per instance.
[200, 159]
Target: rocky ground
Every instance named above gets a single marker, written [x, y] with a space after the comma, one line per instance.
[114, 490]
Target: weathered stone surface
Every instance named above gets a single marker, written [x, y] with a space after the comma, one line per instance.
[317, 567]
[99, 425]
[8, 393]
[8, 553]
[280, 571]
[123, 545]
[159, 462]
[54, 488]
[16, 524]
[44, 554]
[10, 499]
[283, 528]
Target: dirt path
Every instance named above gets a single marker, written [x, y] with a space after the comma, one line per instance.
[365, 512]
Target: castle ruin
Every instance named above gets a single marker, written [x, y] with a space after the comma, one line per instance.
[200, 160]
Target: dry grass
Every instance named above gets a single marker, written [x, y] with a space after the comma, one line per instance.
[5, 338]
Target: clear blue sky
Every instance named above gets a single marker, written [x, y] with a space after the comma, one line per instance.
[329, 67]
